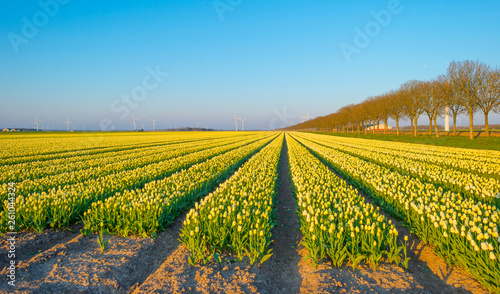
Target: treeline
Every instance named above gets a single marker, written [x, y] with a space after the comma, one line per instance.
[467, 88]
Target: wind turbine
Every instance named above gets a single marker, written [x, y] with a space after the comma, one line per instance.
[197, 125]
[135, 119]
[36, 122]
[291, 122]
[307, 117]
[67, 123]
[236, 122]
[243, 124]
[302, 117]
[154, 126]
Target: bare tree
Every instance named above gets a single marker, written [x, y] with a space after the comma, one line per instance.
[373, 112]
[358, 116]
[384, 106]
[396, 108]
[412, 94]
[440, 90]
[468, 78]
[426, 90]
[454, 106]
[363, 110]
[489, 96]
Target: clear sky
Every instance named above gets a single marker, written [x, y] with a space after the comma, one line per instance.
[99, 62]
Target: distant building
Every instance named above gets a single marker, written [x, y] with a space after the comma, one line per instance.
[379, 127]
[5, 130]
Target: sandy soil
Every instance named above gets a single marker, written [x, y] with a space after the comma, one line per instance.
[67, 262]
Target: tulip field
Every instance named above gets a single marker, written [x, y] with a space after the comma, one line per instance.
[220, 189]
[462, 228]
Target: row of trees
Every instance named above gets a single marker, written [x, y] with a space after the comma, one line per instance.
[466, 88]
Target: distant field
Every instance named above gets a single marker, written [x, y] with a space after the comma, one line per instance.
[492, 143]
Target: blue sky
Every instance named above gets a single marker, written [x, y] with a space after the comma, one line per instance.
[267, 61]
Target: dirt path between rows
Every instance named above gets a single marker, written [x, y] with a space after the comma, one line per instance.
[279, 274]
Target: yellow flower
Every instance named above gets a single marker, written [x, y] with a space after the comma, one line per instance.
[492, 256]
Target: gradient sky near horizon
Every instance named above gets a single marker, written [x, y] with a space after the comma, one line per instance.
[266, 61]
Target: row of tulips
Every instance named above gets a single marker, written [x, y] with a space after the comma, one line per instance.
[62, 206]
[129, 162]
[471, 185]
[47, 147]
[484, 165]
[238, 215]
[38, 169]
[452, 153]
[147, 210]
[462, 230]
[334, 218]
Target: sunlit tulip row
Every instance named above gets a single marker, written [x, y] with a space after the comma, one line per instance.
[467, 156]
[474, 161]
[63, 205]
[462, 230]
[238, 215]
[449, 152]
[38, 169]
[472, 185]
[147, 210]
[129, 162]
[52, 146]
[334, 219]
[36, 147]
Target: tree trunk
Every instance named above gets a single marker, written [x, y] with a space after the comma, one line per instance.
[411, 120]
[430, 125]
[471, 125]
[385, 127]
[397, 126]
[487, 128]
[454, 125]
[436, 128]
[365, 128]
[359, 131]
[415, 126]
